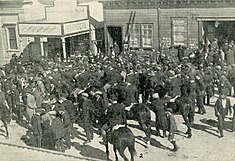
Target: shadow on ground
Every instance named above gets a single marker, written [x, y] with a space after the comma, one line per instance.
[88, 151]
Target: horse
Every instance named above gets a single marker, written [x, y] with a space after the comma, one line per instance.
[141, 113]
[121, 139]
[5, 118]
[186, 108]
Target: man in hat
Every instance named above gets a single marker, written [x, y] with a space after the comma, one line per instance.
[208, 81]
[200, 88]
[30, 103]
[57, 128]
[158, 107]
[15, 98]
[180, 53]
[37, 128]
[230, 56]
[231, 78]
[88, 116]
[172, 127]
[222, 107]
[67, 125]
[115, 116]
[13, 61]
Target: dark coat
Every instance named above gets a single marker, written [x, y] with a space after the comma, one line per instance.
[88, 111]
[70, 108]
[116, 114]
[57, 127]
[66, 121]
[200, 87]
[159, 110]
[172, 123]
[131, 95]
[219, 110]
[36, 124]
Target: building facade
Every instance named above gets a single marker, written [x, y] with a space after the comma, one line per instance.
[11, 12]
[165, 23]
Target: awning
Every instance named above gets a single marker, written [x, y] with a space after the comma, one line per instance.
[53, 29]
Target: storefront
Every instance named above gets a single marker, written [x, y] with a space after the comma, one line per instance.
[162, 24]
[67, 30]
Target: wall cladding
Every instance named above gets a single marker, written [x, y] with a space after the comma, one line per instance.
[191, 14]
[121, 18]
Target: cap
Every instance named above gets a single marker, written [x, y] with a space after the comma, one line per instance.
[98, 92]
[85, 94]
[155, 95]
[169, 110]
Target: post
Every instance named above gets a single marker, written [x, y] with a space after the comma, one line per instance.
[41, 45]
[64, 49]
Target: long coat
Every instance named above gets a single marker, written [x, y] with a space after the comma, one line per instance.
[70, 108]
[57, 127]
[219, 110]
[159, 110]
[31, 106]
[116, 114]
[38, 97]
[36, 124]
[88, 111]
[230, 57]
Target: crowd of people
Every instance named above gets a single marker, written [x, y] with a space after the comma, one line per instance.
[94, 91]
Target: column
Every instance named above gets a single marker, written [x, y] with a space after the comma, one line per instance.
[41, 45]
[64, 49]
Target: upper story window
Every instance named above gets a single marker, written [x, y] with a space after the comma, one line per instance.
[11, 37]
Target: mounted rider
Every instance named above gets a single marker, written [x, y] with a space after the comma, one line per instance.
[115, 116]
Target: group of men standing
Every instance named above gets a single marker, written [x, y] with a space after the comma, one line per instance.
[55, 95]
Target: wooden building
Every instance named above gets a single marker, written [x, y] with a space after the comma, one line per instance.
[160, 24]
[11, 12]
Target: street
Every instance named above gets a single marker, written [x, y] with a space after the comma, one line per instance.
[204, 144]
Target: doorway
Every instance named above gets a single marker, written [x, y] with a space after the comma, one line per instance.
[114, 34]
[224, 31]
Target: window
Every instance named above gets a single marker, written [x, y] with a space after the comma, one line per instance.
[11, 37]
[141, 36]
[179, 31]
[147, 35]
[135, 36]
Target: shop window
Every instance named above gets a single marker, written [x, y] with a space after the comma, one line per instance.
[179, 31]
[141, 36]
[11, 38]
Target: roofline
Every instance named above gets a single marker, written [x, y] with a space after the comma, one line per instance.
[153, 4]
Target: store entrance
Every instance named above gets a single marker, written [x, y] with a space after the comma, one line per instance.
[115, 35]
[224, 31]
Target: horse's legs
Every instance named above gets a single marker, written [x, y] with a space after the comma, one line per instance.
[107, 150]
[115, 151]
[188, 126]
[132, 151]
[121, 152]
[5, 125]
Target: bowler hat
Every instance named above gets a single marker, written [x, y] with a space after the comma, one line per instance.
[169, 110]
[85, 94]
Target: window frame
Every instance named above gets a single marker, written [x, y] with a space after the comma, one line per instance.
[7, 27]
[141, 46]
[186, 31]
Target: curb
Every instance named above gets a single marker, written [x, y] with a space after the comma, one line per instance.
[49, 152]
